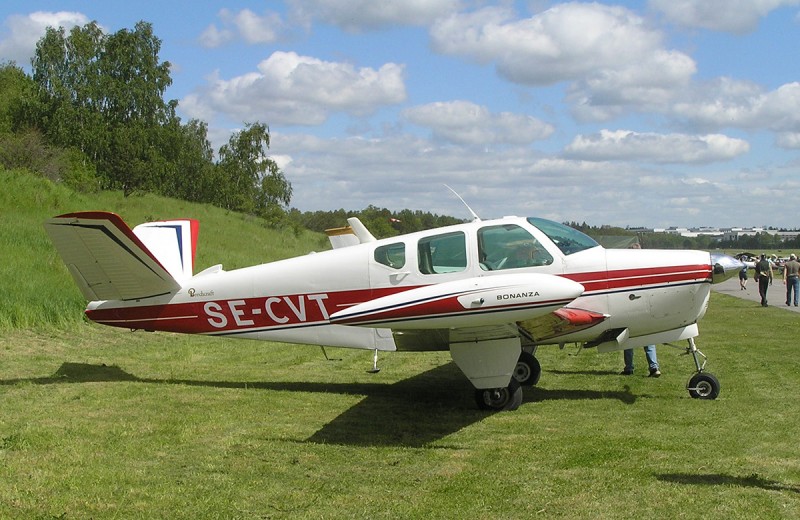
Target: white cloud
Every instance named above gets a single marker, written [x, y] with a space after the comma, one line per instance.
[297, 90]
[18, 40]
[610, 55]
[725, 102]
[402, 171]
[660, 148]
[789, 140]
[467, 123]
[360, 15]
[244, 24]
[735, 16]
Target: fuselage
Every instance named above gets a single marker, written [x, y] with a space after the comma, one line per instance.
[643, 291]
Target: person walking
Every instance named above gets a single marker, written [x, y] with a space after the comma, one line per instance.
[652, 361]
[791, 278]
[764, 276]
[743, 278]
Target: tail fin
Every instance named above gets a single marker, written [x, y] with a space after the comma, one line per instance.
[174, 244]
[107, 259]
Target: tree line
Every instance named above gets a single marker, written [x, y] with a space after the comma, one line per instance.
[92, 114]
[381, 222]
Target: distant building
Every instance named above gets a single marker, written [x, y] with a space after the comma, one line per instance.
[726, 234]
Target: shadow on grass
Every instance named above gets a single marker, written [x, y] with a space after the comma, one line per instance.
[413, 412]
[714, 479]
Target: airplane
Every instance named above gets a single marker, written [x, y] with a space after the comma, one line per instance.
[488, 291]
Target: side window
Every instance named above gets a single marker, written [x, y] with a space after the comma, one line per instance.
[392, 255]
[509, 247]
[445, 253]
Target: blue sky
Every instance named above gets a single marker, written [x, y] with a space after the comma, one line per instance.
[654, 113]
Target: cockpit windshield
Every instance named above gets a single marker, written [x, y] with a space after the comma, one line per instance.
[568, 240]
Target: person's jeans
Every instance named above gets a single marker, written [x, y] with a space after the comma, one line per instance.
[650, 354]
[792, 284]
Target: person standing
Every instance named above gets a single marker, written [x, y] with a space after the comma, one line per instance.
[764, 275]
[652, 361]
[743, 278]
[791, 278]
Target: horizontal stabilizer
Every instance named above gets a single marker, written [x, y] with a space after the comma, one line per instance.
[106, 259]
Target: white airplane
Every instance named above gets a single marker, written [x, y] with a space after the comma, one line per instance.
[491, 292]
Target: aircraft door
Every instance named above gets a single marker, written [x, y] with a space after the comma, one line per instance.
[389, 266]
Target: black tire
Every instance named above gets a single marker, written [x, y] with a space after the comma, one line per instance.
[500, 399]
[703, 386]
[528, 370]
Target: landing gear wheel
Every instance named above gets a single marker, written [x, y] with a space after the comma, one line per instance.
[499, 399]
[528, 369]
[703, 386]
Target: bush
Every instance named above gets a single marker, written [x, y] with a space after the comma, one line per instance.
[28, 150]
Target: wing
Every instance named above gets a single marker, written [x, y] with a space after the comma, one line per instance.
[465, 303]
[106, 259]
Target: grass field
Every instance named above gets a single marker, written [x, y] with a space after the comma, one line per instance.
[105, 423]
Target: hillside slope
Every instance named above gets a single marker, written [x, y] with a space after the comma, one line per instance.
[37, 290]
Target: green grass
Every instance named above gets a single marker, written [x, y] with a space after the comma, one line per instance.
[104, 423]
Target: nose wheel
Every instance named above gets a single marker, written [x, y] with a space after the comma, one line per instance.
[702, 385]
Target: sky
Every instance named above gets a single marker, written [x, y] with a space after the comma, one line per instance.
[652, 113]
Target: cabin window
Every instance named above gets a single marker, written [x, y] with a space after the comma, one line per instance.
[446, 253]
[392, 255]
[510, 247]
[568, 240]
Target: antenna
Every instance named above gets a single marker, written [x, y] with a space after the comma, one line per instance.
[475, 216]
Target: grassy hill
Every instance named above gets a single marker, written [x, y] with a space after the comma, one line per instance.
[98, 422]
[43, 293]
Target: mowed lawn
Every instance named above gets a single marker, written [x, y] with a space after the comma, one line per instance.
[106, 423]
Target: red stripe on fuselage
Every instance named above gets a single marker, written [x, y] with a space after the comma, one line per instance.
[218, 316]
[622, 279]
[298, 310]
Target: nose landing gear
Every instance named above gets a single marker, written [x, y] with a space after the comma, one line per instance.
[702, 385]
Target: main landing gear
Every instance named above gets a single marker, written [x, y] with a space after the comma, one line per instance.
[500, 399]
[526, 373]
[702, 385]
[528, 369]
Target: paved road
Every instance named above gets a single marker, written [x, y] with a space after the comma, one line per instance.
[776, 295]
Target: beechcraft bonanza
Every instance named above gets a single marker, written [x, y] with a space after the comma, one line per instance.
[491, 292]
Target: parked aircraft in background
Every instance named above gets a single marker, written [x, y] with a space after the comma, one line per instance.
[491, 292]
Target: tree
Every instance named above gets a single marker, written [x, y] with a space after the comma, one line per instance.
[15, 87]
[103, 94]
[247, 179]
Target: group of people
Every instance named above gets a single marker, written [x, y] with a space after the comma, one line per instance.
[764, 274]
